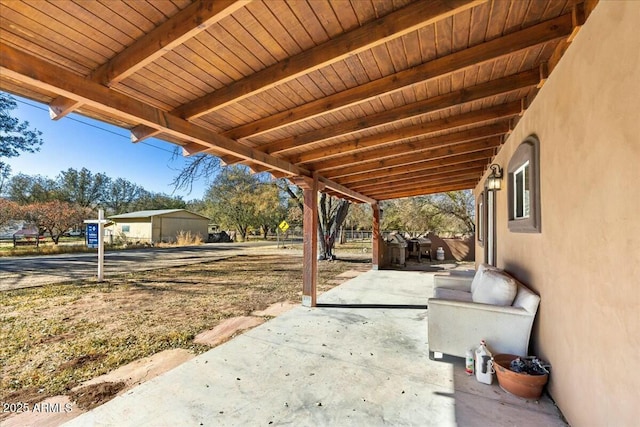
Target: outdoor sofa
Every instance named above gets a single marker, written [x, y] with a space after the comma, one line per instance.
[490, 305]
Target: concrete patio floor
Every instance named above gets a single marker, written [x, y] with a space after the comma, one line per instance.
[328, 367]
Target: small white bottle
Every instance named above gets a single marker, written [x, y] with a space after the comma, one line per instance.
[484, 364]
[469, 362]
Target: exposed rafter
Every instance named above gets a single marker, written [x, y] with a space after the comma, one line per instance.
[546, 31]
[38, 73]
[424, 146]
[394, 25]
[504, 85]
[421, 129]
[187, 23]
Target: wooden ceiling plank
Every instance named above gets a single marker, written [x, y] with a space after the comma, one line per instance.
[371, 34]
[412, 178]
[421, 129]
[451, 143]
[430, 105]
[422, 191]
[29, 70]
[392, 186]
[348, 175]
[400, 174]
[184, 25]
[488, 51]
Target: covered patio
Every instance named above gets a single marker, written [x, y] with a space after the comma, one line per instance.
[376, 100]
[336, 366]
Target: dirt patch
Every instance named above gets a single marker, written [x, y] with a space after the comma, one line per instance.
[96, 394]
[81, 361]
[55, 337]
[276, 309]
[226, 330]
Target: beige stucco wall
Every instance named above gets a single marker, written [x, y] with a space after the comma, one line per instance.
[586, 262]
[139, 230]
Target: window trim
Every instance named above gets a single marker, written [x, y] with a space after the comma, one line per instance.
[527, 152]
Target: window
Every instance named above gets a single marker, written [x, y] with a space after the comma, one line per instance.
[125, 228]
[521, 192]
[524, 188]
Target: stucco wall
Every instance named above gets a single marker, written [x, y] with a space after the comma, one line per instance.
[585, 264]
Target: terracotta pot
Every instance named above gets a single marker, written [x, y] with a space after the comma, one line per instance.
[520, 384]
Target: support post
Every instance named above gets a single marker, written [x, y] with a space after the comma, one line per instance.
[375, 238]
[101, 222]
[310, 248]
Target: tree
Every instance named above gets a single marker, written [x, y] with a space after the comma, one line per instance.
[56, 217]
[331, 215]
[270, 210]
[83, 187]
[8, 211]
[120, 194]
[148, 201]
[459, 205]
[15, 136]
[24, 189]
[233, 199]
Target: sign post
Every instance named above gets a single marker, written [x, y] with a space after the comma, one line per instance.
[95, 239]
[284, 226]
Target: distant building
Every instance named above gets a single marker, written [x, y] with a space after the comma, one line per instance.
[157, 226]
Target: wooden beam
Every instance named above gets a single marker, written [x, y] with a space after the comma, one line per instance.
[407, 159]
[346, 178]
[437, 68]
[578, 18]
[393, 25]
[400, 174]
[421, 129]
[415, 149]
[345, 191]
[484, 90]
[310, 242]
[184, 25]
[141, 132]
[423, 191]
[376, 238]
[61, 106]
[364, 187]
[30, 70]
[404, 186]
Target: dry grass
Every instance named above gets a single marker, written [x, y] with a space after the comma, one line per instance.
[188, 239]
[54, 337]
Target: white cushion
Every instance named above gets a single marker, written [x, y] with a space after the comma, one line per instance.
[452, 294]
[477, 278]
[495, 288]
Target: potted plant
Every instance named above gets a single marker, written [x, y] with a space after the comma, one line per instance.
[523, 376]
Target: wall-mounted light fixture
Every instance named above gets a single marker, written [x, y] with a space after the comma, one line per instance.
[495, 178]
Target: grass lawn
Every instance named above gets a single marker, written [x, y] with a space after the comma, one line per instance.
[54, 337]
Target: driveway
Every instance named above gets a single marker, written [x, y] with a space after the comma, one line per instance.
[24, 272]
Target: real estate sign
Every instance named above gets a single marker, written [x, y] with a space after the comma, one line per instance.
[92, 236]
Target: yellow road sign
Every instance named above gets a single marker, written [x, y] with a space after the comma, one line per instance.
[284, 226]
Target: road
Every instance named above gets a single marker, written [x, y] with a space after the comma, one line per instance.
[23, 272]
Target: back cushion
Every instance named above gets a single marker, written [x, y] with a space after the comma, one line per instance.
[478, 276]
[495, 288]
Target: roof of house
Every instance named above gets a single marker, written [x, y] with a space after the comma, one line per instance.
[378, 100]
[150, 213]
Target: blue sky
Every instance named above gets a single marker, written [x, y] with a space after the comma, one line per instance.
[76, 141]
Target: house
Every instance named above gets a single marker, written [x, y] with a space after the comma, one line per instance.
[156, 226]
[371, 101]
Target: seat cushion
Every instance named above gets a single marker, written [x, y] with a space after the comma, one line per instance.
[452, 294]
[496, 288]
[479, 272]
